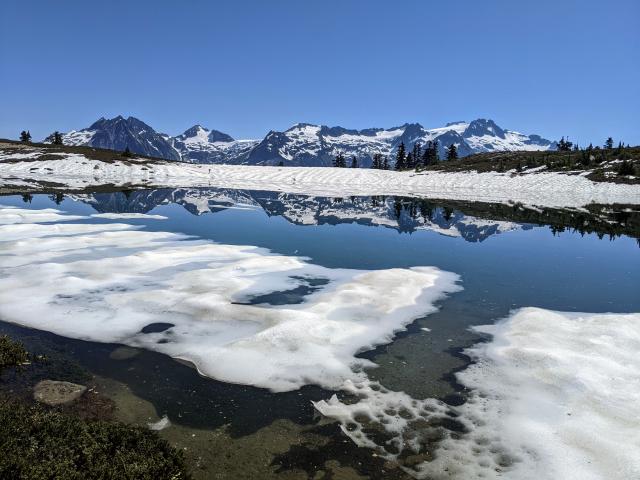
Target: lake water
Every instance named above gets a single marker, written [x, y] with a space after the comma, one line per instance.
[506, 257]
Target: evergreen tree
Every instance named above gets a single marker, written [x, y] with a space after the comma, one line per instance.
[430, 155]
[564, 145]
[625, 168]
[57, 198]
[340, 161]
[377, 161]
[354, 162]
[452, 152]
[127, 153]
[385, 163]
[25, 136]
[409, 163]
[416, 154]
[425, 154]
[57, 138]
[401, 157]
[609, 143]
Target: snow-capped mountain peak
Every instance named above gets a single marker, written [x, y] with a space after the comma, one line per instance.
[200, 134]
[302, 144]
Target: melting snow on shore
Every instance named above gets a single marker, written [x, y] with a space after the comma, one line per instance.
[553, 395]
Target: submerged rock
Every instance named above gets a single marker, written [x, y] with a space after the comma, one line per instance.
[124, 353]
[52, 392]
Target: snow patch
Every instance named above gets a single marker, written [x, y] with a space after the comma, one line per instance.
[553, 395]
[106, 282]
[128, 215]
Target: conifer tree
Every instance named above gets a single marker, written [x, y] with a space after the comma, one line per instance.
[401, 157]
[425, 154]
[564, 145]
[625, 168]
[416, 154]
[127, 153]
[57, 198]
[409, 163]
[385, 163]
[452, 152]
[377, 161]
[430, 155]
[354, 162]
[340, 161]
[25, 136]
[57, 138]
[609, 143]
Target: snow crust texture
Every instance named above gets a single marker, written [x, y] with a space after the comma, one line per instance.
[553, 395]
[535, 189]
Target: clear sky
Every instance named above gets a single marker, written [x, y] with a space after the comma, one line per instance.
[245, 67]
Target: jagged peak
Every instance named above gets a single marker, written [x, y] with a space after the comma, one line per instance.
[300, 125]
[483, 126]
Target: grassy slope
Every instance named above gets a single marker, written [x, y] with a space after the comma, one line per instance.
[603, 164]
[52, 152]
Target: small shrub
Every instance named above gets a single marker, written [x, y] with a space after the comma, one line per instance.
[625, 168]
[12, 353]
[37, 443]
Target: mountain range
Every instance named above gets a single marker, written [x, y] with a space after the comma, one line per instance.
[303, 144]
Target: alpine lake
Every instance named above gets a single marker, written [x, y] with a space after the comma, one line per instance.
[506, 256]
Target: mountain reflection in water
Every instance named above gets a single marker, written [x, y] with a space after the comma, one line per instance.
[471, 221]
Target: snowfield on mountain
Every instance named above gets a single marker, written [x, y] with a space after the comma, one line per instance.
[303, 144]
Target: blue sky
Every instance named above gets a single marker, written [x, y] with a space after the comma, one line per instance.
[246, 67]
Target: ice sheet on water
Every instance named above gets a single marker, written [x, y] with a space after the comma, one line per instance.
[13, 215]
[553, 395]
[106, 282]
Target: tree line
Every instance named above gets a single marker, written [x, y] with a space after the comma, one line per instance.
[415, 159]
[56, 137]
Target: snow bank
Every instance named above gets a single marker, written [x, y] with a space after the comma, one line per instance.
[541, 189]
[107, 282]
[128, 216]
[561, 391]
[553, 396]
[11, 215]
